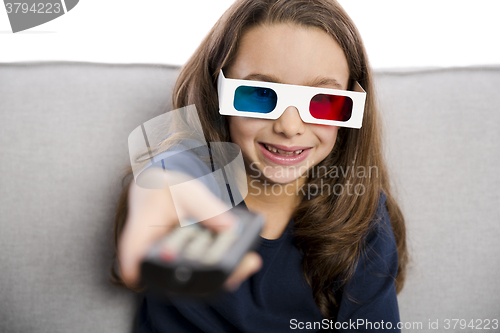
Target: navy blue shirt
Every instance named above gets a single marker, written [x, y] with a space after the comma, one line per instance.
[278, 299]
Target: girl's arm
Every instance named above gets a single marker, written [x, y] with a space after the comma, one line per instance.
[152, 214]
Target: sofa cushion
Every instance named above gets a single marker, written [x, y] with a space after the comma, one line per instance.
[63, 144]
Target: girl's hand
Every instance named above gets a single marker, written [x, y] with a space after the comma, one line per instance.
[151, 215]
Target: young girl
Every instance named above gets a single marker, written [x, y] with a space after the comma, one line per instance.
[333, 250]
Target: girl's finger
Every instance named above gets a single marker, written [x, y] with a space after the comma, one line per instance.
[195, 200]
[249, 265]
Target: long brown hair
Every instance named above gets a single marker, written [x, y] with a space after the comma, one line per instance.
[329, 229]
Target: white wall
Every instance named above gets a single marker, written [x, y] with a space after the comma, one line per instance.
[424, 33]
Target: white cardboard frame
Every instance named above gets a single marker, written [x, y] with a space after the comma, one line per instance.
[290, 95]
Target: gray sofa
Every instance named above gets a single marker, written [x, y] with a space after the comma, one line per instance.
[63, 143]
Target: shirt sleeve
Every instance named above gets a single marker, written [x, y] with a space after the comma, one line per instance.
[369, 302]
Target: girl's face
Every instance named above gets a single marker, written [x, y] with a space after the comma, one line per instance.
[282, 150]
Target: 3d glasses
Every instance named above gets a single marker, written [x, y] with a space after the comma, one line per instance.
[268, 100]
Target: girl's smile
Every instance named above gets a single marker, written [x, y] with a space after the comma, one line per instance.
[283, 150]
[284, 155]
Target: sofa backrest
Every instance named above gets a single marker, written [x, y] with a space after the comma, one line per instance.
[443, 146]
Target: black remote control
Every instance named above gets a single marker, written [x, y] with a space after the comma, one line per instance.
[195, 261]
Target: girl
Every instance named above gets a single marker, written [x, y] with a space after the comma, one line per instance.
[333, 246]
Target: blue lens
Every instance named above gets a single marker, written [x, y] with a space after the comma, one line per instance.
[255, 99]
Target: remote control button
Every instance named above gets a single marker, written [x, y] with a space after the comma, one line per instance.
[176, 240]
[167, 255]
[220, 246]
[183, 274]
[198, 246]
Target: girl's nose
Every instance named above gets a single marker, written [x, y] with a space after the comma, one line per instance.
[289, 123]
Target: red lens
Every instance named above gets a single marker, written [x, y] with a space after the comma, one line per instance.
[331, 107]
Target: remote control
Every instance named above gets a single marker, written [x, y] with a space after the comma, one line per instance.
[195, 261]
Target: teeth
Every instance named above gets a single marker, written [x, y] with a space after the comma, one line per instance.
[283, 152]
[274, 150]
